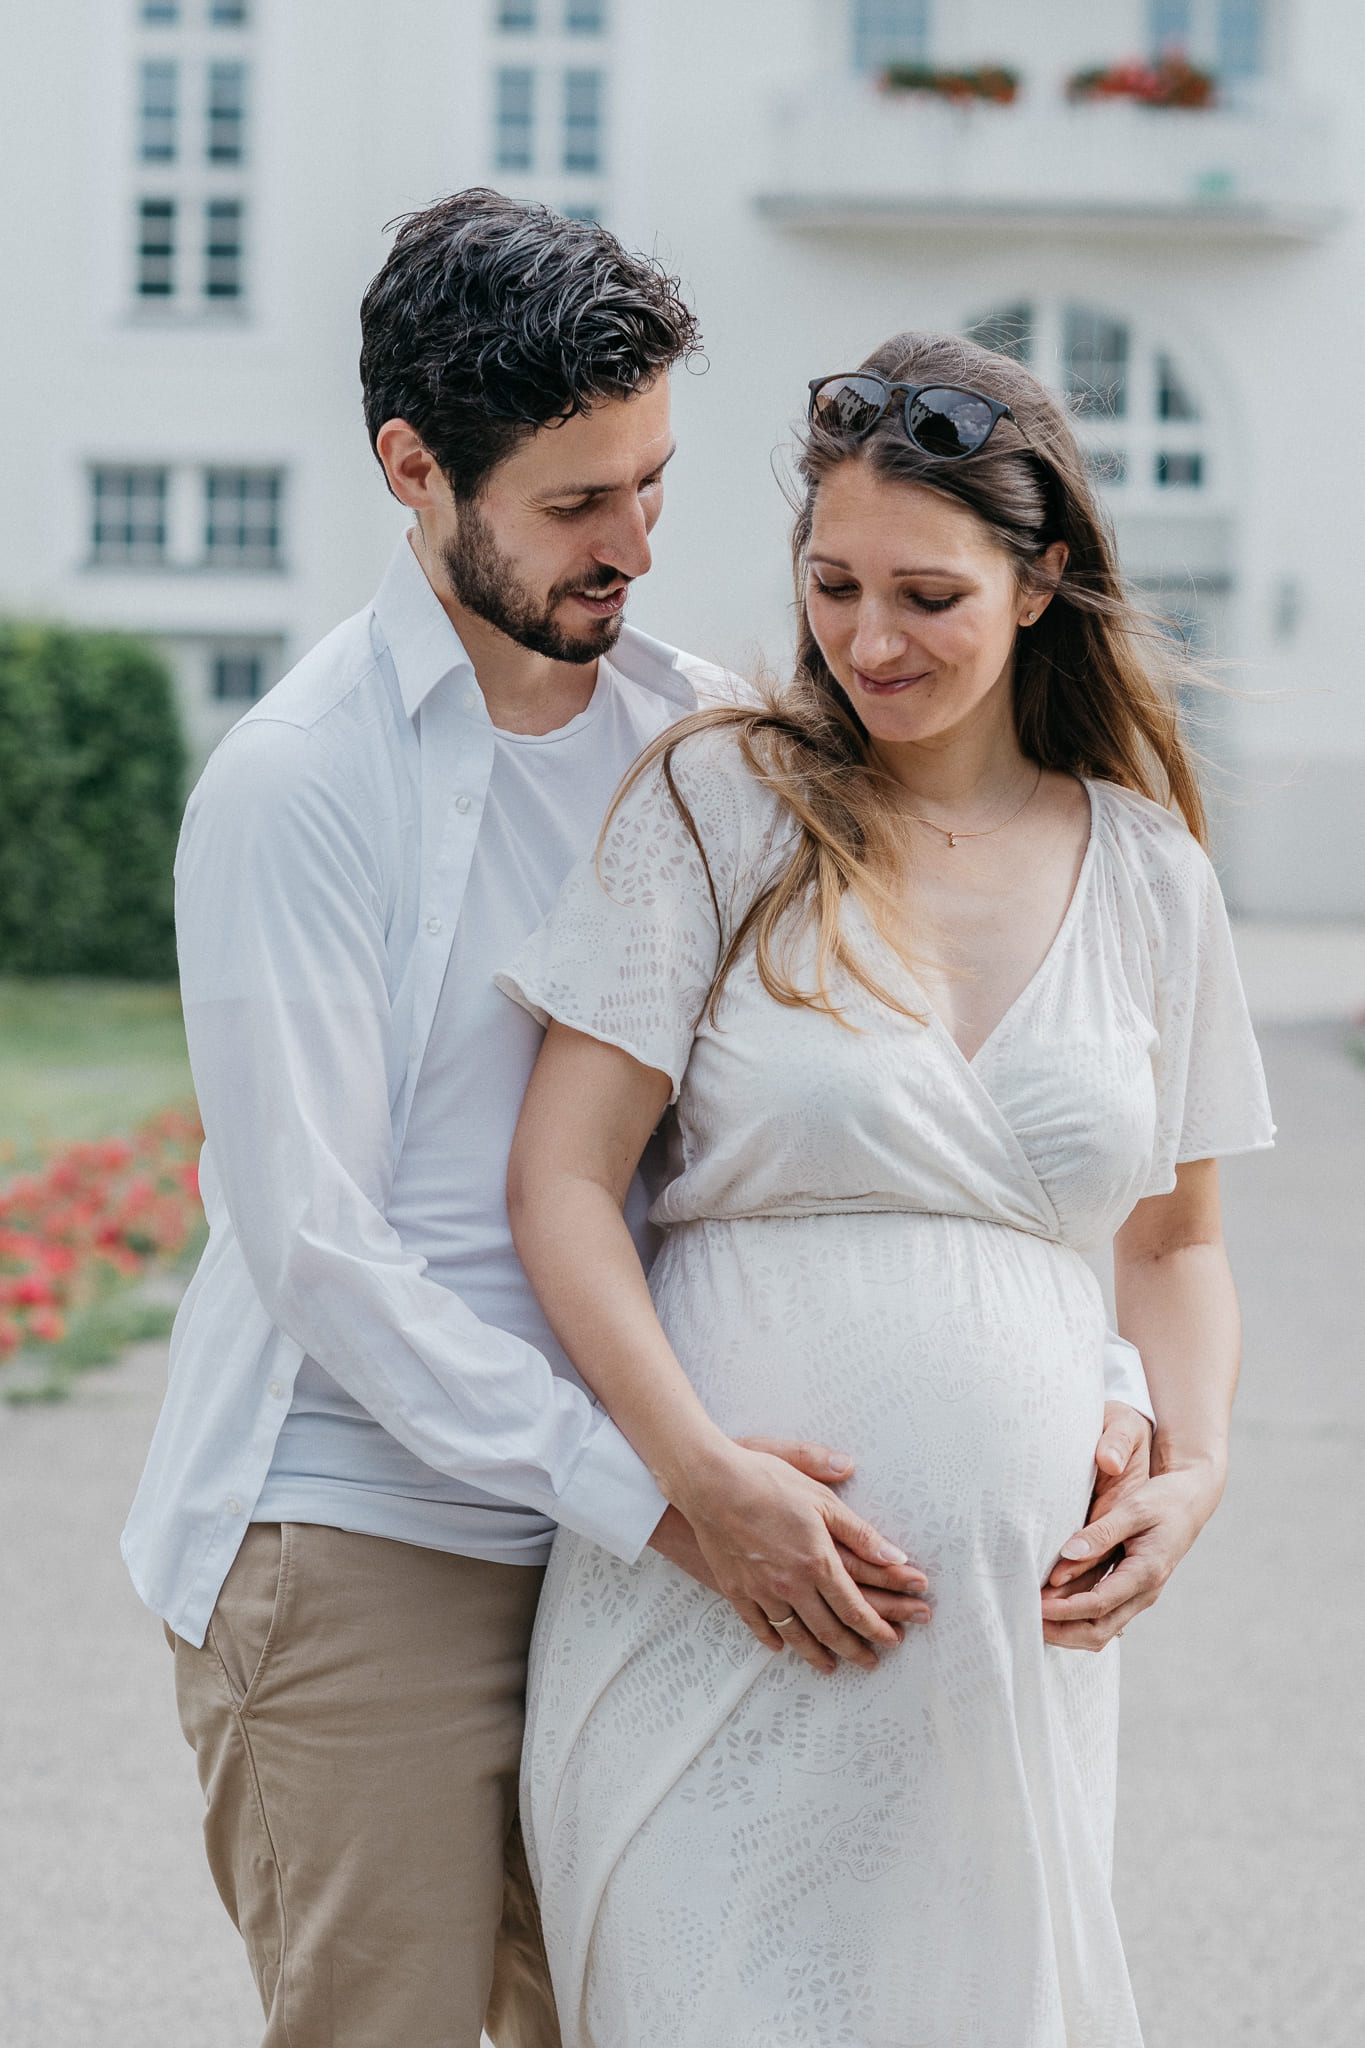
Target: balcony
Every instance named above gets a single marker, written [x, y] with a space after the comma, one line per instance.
[854, 158]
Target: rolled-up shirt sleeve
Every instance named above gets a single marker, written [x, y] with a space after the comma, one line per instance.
[282, 915]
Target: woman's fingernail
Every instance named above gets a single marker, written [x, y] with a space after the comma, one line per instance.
[888, 1554]
[839, 1463]
[926, 1616]
[1077, 1547]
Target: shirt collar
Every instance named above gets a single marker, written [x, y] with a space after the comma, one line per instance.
[426, 648]
[424, 645]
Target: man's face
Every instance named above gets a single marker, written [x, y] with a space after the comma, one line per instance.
[549, 548]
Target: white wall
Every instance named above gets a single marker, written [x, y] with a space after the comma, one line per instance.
[361, 112]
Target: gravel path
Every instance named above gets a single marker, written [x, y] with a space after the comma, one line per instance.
[1241, 1864]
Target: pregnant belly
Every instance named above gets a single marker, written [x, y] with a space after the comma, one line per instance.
[960, 1363]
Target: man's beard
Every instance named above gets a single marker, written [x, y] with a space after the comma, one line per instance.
[486, 582]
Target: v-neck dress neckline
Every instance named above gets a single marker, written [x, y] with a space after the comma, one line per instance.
[1060, 939]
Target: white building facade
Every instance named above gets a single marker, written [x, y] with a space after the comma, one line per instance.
[197, 191]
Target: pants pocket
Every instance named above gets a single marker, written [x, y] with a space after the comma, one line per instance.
[248, 1620]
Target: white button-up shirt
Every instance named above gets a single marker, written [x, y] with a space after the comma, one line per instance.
[321, 871]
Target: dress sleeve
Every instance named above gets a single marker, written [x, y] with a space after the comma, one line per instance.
[630, 950]
[1210, 1087]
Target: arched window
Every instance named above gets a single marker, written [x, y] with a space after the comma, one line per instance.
[1135, 411]
[1144, 425]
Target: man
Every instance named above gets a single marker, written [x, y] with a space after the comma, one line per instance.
[364, 1451]
[370, 1431]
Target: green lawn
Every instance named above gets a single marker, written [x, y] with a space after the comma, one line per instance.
[85, 1059]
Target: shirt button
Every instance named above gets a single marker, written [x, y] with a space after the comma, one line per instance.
[433, 925]
[462, 803]
[469, 700]
[275, 1391]
[234, 1506]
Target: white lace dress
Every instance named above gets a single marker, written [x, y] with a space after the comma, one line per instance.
[873, 1242]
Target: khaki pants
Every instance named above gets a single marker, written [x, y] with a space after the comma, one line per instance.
[356, 1716]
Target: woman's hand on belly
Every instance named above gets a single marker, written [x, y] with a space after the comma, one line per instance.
[1154, 1527]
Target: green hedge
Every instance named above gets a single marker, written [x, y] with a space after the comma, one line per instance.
[92, 782]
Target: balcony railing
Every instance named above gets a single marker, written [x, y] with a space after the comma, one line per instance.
[855, 157]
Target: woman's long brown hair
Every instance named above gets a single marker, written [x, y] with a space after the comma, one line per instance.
[1096, 680]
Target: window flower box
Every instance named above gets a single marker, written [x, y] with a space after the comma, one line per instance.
[992, 83]
[1170, 81]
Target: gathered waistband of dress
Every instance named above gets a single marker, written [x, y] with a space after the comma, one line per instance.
[843, 1213]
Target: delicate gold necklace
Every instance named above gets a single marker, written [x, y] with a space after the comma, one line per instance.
[952, 837]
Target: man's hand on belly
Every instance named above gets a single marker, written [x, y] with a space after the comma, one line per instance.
[894, 1591]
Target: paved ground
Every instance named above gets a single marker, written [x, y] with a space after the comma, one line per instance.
[1242, 1825]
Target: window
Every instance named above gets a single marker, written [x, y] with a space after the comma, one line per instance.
[585, 17]
[583, 120]
[223, 267]
[517, 17]
[1095, 353]
[242, 529]
[578, 209]
[1173, 400]
[1168, 25]
[160, 13]
[157, 113]
[1008, 330]
[1240, 38]
[156, 248]
[128, 516]
[515, 118]
[227, 13]
[1107, 465]
[1226, 35]
[227, 113]
[1139, 420]
[238, 677]
[1182, 469]
[889, 32]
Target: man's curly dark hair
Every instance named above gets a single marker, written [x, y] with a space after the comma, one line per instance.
[493, 317]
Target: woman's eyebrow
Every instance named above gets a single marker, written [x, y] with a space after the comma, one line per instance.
[947, 575]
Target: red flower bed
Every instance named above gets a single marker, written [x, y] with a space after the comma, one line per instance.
[97, 1215]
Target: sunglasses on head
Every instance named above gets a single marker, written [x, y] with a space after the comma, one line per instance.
[944, 420]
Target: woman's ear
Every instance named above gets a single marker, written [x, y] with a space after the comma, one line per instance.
[1046, 574]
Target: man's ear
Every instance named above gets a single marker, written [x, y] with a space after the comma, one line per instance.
[414, 475]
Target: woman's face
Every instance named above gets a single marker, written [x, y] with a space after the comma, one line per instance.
[915, 607]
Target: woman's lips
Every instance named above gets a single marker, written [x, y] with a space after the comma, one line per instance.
[887, 686]
[604, 605]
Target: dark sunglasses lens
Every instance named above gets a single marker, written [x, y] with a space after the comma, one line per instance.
[944, 421]
[849, 405]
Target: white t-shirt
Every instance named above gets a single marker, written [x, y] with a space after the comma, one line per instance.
[333, 1462]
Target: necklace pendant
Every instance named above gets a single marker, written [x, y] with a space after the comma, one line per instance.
[952, 839]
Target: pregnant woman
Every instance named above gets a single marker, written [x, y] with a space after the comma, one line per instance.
[928, 956]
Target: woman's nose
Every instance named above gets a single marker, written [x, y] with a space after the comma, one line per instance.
[877, 639]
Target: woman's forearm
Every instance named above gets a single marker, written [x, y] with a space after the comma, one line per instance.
[768, 1533]
[1179, 1307]
[581, 1260]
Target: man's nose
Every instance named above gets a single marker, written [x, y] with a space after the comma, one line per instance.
[624, 542]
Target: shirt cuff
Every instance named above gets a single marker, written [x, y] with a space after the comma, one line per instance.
[1124, 1378]
[612, 1497]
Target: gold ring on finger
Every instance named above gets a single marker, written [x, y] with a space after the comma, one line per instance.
[787, 1620]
